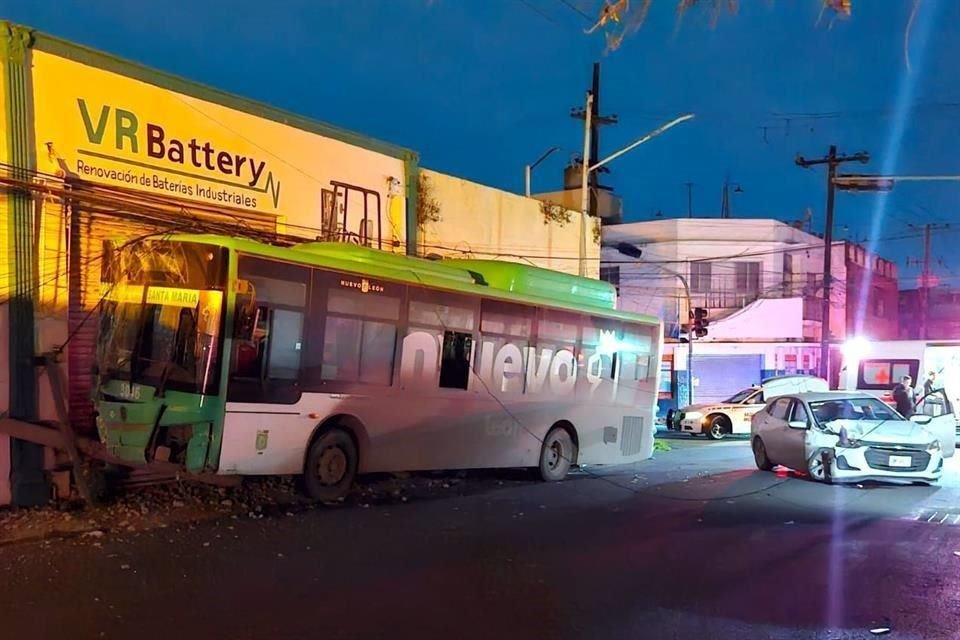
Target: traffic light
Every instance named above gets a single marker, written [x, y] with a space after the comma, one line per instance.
[700, 322]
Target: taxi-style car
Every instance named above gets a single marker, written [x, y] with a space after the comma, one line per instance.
[732, 416]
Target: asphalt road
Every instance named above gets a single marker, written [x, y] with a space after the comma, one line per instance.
[693, 544]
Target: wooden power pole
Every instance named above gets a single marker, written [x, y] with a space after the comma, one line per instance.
[832, 160]
[925, 277]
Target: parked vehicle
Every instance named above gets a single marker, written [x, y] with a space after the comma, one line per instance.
[732, 416]
[842, 436]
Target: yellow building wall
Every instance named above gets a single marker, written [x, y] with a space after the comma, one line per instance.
[478, 221]
[115, 130]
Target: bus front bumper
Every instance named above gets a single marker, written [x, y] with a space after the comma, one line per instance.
[124, 440]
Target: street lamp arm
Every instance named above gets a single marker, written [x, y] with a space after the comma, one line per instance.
[640, 141]
[544, 156]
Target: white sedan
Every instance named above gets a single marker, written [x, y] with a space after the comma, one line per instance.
[839, 436]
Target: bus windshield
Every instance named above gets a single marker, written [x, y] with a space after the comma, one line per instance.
[162, 317]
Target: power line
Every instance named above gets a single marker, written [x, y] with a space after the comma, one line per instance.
[540, 12]
[578, 11]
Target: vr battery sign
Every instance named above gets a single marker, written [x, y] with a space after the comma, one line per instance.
[224, 176]
[202, 156]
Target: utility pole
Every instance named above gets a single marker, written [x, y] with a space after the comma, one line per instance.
[592, 151]
[725, 209]
[925, 278]
[689, 186]
[584, 184]
[832, 160]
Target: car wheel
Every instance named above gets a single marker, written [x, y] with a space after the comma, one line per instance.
[718, 427]
[331, 466]
[760, 455]
[557, 455]
[817, 469]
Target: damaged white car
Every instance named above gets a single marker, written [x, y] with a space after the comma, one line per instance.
[839, 436]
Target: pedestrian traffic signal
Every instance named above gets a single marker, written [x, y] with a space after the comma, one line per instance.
[700, 322]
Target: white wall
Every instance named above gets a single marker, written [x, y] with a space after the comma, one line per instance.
[724, 242]
[765, 319]
[775, 354]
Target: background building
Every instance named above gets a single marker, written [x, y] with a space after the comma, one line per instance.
[941, 320]
[761, 281]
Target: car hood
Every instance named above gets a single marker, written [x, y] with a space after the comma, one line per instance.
[884, 431]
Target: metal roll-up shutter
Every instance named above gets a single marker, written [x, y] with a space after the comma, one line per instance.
[721, 376]
[101, 220]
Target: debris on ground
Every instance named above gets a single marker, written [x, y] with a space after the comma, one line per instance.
[142, 507]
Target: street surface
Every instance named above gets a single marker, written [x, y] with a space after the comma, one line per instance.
[694, 544]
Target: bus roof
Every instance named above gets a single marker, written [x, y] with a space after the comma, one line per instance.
[507, 281]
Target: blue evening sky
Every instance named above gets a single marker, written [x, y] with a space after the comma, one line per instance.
[481, 87]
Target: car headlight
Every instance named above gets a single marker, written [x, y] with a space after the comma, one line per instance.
[693, 415]
[933, 447]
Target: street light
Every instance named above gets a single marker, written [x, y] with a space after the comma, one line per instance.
[528, 170]
[587, 168]
[632, 251]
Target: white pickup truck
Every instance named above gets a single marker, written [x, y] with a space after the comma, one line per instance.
[732, 416]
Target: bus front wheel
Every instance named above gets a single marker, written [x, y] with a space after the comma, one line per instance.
[331, 465]
[557, 455]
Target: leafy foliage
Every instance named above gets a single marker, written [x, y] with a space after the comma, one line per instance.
[428, 208]
[554, 213]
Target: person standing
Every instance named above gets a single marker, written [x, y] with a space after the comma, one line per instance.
[903, 396]
[929, 385]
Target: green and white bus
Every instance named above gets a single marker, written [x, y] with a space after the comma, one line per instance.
[229, 356]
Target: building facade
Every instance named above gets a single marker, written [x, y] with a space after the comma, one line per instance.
[761, 281]
[940, 321]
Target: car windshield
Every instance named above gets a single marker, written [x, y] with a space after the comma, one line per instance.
[740, 396]
[862, 408]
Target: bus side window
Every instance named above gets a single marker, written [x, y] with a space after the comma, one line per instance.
[268, 360]
[441, 326]
[286, 345]
[455, 360]
[506, 330]
[359, 334]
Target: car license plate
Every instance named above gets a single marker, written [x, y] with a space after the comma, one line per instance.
[901, 461]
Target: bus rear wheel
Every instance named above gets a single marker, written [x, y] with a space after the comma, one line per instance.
[557, 455]
[331, 466]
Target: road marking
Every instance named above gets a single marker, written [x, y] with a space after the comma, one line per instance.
[948, 517]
